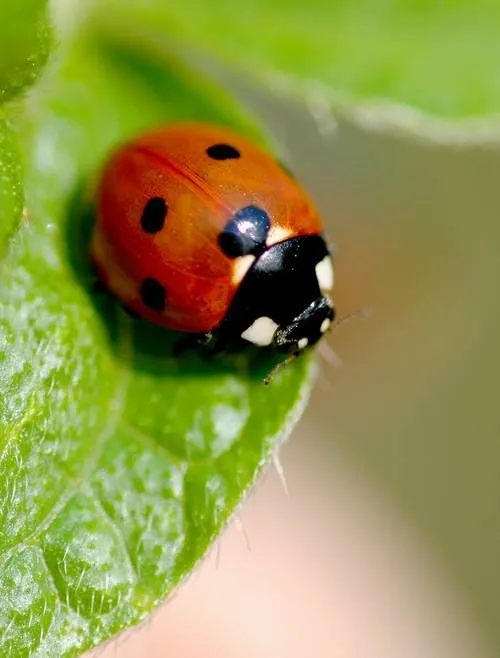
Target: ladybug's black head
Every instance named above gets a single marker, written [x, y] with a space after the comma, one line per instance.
[307, 328]
[282, 300]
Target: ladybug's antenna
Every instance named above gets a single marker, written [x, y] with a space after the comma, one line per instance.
[326, 351]
[360, 313]
[323, 348]
[279, 366]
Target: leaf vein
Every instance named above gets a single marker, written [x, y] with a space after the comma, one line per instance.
[147, 440]
[109, 519]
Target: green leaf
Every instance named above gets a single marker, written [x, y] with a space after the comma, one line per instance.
[26, 38]
[119, 465]
[440, 57]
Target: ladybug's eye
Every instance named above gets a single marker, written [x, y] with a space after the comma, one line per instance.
[245, 233]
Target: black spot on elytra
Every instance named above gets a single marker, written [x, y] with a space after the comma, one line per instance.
[222, 152]
[245, 233]
[153, 295]
[154, 215]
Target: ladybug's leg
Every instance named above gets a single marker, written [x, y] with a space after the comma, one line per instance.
[290, 358]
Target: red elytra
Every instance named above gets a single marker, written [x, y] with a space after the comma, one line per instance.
[201, 195]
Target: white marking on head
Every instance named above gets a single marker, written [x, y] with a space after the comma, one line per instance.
[324, 273]
[277, 234]
[241, 266]
[302, 343]
[325, 325]
[261, 332]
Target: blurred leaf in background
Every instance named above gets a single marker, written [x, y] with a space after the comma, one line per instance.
[438, 57]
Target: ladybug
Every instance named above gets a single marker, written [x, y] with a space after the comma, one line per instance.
[199, 230]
